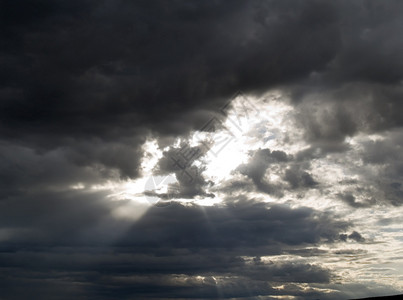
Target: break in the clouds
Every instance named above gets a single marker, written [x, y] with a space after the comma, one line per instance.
[196, 150]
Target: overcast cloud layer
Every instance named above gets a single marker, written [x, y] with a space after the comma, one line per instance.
[196, 150]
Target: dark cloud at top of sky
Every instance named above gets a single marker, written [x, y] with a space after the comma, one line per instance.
[77, 70]
[111, 69]
[117, 59]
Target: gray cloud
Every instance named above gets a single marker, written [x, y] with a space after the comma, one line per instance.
[263, 162]
[352, 201]
[299, 178]
[257, 166]
[180, 161]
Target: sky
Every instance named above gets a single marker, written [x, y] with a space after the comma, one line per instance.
[201, 149]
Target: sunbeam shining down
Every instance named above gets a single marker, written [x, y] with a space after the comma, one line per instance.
[220, 149]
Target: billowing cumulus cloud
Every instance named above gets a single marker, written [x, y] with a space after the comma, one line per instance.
[128, 168]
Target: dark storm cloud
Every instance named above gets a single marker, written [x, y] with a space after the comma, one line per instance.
[371, 43]
[129, 282]
[74, 71]
[23, 170]
[162, 253]
[110, 69]
[360, 90]
[252, 224]
[54, 218]
[65, 218]
[331, 115]
[112, 72]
